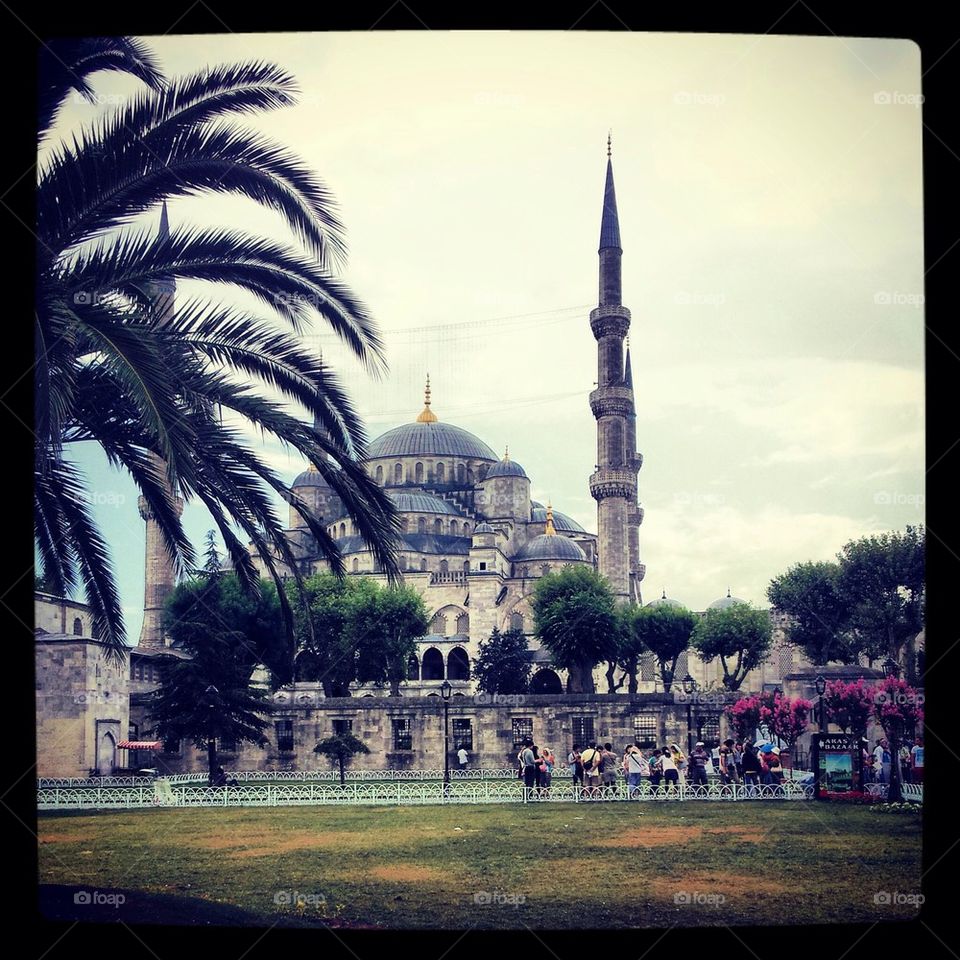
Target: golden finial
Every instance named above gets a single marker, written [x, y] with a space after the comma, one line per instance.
[550, 530]
[609, 139]
[506, 452]
[427, 416]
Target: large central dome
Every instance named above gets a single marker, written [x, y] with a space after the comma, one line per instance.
[429, 440]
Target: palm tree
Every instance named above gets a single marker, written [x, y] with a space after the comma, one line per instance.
[117, 366]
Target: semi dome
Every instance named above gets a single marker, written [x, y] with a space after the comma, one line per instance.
[724, 602]
[550, 547]
[311, 477]
[506, 468]
[538, 514]
[421, 503]
[483, 527]
[664, 601]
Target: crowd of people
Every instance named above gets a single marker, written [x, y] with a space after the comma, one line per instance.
[877, 760]
[597, 766]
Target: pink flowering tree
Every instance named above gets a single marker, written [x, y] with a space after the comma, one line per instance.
[749, 713]
[849, 705]
[898, 708]
[789, 717]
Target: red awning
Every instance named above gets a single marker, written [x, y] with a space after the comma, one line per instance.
[140, 744]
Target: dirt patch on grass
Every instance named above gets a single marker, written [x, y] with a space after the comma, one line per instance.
[406, 873]
[749, 834]
[652, 837]
[730, 885]
[79, 836]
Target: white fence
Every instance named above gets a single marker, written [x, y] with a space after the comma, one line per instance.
[913, 792]
[163, 793]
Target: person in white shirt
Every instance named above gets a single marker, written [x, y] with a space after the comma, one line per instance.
[462, 758]
[881, 761]
[636, 767]
[670, 776]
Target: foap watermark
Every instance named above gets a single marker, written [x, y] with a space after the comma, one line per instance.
[98, 898]
[505, 699]
[885, 98]
[899, 697]
[101, 498]
[498, 898]
[295, 898]
[896, 899]
[895, 498]
[691, 298]
[708, 698]
[699, 98]
[898, 298]
[696, 898]
[91, 98]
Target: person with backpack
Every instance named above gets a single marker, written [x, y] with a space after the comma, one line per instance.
[635, 767]
[671, 777]
[592, 760]
[656, 769]
[698, 765]
[528, 760]
[751, 767]
[575, 765]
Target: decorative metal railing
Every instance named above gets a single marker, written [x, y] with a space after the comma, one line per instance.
[913, 792]
[162, 793]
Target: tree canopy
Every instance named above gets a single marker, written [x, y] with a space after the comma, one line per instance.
[739, 635]
[503, 663]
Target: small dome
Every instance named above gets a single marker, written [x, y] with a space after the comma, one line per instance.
[506, 468]
[664, 601]
[538, 514]
[724, 602]
[311, 477]
[483, 527]
[547, 547]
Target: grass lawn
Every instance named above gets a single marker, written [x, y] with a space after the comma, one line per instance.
[488, 866]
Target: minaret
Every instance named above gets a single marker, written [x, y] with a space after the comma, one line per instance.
[634, 512]
[614, 484]
[159, 573]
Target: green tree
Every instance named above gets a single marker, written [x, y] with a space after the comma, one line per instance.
[383, 626]
[630, 647]
[162, 391]
[665, 630]
[882, 579]
[341, 749]
[739, 635]
[206, 694]
[218, 600]
[324, 651]
[503, 663]
[575, 619]
[811, 594]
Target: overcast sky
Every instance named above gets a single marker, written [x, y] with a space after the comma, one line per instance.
[770, 194]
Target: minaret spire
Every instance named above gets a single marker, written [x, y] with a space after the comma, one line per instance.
[614, 484]
[164, 232]
[550, 530]
[427, 415]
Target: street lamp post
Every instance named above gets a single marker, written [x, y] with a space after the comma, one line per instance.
[689, 687]
[821, 686]
[894, 795]
[213, 697]
[445, 692]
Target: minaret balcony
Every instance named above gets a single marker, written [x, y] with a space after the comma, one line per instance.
[611, 320]
[611, 400]
[613, 482]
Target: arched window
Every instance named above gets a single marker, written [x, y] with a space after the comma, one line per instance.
[466, 529]
[544, 569]
[355, 566]
[403, 561]
[77, 627]
[380, 475]
[463, 623]
[423, 564]
[439, 473]
[432, 665]
[454, 529]
[470, 474]
[403, 524]
[413, 669]
[438, 625]
[437, 526]
[524, 571]
[458, 664]
[546, 681]
[461, 473]
[398, 473]
[466, 566]
[444, 566]
[418, 473]
[516, 621]
[421, 525]
[343, 530]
